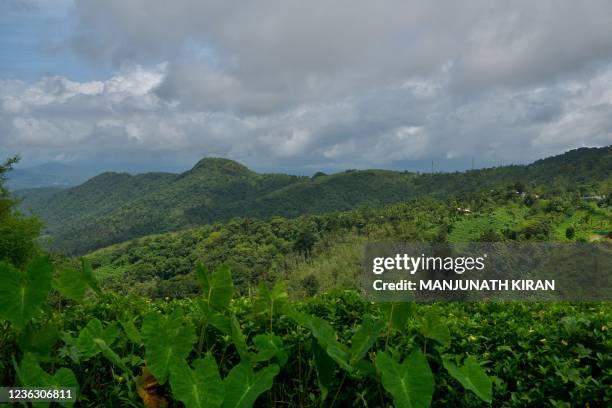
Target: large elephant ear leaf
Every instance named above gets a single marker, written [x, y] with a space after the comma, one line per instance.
[271, 301]
[243, 386]
[217, 287]
[110, 354]
[198, 388]
[472, 377]
[89, 277]
[326, 336]
[167, 339]
[29, 372]
[239, 340]
[411, 383]
[71, 284]
[364, 338]
[64, 378]
[131, 331]
[39, 341]
[269, 346]
[23, 293]
[434, 327]
[396, 314]
[86, 342]
[32, 376]
[326, 368]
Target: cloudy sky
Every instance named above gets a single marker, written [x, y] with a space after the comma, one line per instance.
[300, 86]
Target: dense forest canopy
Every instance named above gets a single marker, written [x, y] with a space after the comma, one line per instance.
[319, 252]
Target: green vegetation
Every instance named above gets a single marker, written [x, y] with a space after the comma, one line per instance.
[332, 350]
[317, 253]
[113, 208]
[276, 320]
[17, 233]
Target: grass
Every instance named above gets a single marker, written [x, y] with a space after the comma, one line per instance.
[471, 226]
[586, 224]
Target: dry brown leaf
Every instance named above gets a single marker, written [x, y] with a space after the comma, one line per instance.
[150, 390]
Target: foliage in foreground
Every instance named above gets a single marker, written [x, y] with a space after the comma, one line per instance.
[336, 350]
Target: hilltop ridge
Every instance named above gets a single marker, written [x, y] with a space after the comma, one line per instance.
[220, 164]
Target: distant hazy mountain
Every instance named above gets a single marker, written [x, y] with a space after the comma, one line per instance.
[114, 207]
[47, 175]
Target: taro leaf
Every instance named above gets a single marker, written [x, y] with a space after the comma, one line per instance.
[167, 339]
[271, 301]
[270, 346]
[326, 336]
[86, 343]
[71, 284]
[433, 327]
[220, 322]
[217, 287]
[325, 370]
[40, 341]
[472, 377]
[346, 357]
[364, 338]
[32, 376]
[132, 332]
[239, 340]
[411, 383]
[110, 354]
[215, 318]
[365, 368]
[89, 276]
[23, 293]
[198, 388]
[396, 314]
[243, 386]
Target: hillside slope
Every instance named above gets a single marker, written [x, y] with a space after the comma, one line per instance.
[320, 252]
[113, 207]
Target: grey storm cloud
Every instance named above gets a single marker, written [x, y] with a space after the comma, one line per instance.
[331, 84]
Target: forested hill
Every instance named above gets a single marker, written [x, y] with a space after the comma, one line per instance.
[114, 207]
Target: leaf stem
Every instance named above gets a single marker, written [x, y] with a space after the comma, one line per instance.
[201, 339]
[339, 389]
[389, 324]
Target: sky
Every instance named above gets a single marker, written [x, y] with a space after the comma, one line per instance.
[298, 86]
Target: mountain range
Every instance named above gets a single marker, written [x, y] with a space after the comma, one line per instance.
[115, 207]
[47, 175]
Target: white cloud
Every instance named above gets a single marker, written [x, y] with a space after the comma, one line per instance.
[346, 83]
[372, 128]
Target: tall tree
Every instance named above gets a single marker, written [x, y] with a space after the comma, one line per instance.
[18, 234]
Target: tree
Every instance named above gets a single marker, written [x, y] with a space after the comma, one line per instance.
[311, 285]
[18, 234]
[318, 174]
[570, 233]
[607, 201]
[519, 187]
[538, 229]
[490, 236]
[305, 241]
[6, 203]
